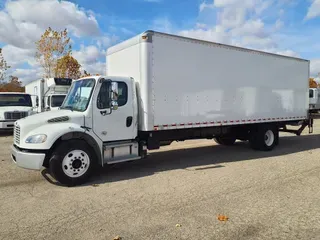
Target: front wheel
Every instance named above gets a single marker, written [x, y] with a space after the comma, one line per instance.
[72, 162]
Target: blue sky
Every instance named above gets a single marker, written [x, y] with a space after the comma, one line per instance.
[288, 27]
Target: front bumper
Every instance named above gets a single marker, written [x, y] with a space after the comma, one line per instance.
[27, 159]
[7, 124]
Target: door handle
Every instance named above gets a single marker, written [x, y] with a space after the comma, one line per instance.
[129, 121]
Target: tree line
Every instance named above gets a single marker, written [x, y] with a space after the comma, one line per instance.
[53, 53]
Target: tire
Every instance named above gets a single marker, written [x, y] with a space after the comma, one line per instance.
[72, 162]
[264, 138]
[227, 141]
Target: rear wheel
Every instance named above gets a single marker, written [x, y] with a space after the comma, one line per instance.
[72, 162]
[228, 141]
[264, 138]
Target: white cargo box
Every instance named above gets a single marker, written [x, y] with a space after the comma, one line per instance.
[186, 83]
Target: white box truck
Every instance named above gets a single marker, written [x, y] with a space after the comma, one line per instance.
[314, 99]
[14, 106]
[162, 88]
[48, 93]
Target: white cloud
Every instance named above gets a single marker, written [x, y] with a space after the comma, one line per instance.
[232, 17]
[27, 75]
[243, 3]
[89, 58]
[289, 53]
[163, 25]
[279, 24]
[215, 34]
[103, 42]
[314, 10]
[23, 21]
[242, 23]
[258, 43]
[106, 41]
[205, 5]
[96, 68]
[250, 27]
[88, 54]
[314, 67]
[16, 56]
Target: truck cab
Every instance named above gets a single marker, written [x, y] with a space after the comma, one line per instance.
[98, 118]
[314, 99]
[14, 106]
[54, 101]
[48, 93]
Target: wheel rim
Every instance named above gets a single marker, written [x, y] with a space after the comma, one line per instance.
[75, 163]
[269, 138]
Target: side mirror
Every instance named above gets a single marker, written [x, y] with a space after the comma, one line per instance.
[114, 95]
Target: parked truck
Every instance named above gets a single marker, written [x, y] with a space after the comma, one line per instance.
[162, 88]
[48, 93]
[14, 106]
[314, 99]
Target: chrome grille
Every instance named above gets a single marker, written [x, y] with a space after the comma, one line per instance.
[15, 115]
[16, 134]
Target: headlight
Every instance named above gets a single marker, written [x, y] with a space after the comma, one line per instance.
[39, 138]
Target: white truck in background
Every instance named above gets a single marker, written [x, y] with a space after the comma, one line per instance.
[162, 88]
[48, 93]
[14, 106]
[314, 99]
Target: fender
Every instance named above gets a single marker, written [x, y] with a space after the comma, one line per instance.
[62, 132]
[78, 135]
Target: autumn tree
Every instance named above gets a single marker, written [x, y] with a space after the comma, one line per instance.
[67, 67]
[52, 45]
[312, 83]
[3, 66]
[13, 85]
[86, 74]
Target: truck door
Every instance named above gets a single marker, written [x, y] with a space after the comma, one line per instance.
[114, 125]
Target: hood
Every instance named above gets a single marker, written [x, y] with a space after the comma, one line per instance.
[50, 117]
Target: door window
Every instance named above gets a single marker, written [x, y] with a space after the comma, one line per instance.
[310, 93]
[103, 100]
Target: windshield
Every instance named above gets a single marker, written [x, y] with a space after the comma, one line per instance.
[310, 93]
[79, 95]
[22, 100]
[57, 100]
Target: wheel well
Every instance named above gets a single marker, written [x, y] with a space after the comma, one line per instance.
[75, 135]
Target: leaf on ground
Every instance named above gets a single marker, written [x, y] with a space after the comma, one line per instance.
[95, 185]
[222, 218]
[117, 238]
[178, 225]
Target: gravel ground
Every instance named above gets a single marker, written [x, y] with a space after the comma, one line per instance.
[265, 195]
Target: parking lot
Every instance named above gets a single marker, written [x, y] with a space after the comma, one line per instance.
[176, 193]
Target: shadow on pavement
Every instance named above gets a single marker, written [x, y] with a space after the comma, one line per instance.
[6, 133]
[199, 157]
